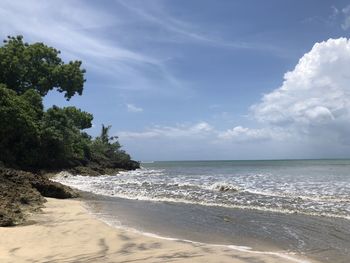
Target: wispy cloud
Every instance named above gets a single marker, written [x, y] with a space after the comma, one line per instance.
[340, 17]
[346, 14]
[182, 130]
[335, 12]
[132, 108]
[64, 26]
[207, 132]
[75, 28]
[186, 31]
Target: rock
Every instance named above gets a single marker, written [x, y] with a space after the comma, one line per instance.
[17, 197]
[22, 193]
[48, 188]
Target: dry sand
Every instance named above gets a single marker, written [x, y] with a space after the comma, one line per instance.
[66, 232]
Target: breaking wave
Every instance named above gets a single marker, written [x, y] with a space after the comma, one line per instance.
[159, 185]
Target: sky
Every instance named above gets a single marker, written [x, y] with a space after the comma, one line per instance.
[204, 79]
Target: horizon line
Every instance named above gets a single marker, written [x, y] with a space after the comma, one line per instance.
[228, 160]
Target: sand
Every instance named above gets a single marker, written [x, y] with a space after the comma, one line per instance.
[66, 232]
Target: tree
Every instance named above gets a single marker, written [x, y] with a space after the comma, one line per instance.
[36, 66]
[104, 133]
[61, 137]
[20, 127]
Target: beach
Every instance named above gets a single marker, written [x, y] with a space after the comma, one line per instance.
[299, 206]
[209, 131]
[65, 231]
[207, 211]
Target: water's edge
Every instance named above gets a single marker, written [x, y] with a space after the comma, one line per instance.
[92, 203]
[322, 239]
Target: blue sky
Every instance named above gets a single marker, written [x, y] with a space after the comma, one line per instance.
[204, 79]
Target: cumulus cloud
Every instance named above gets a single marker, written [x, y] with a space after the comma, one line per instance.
[316, 92]
[314, 99]
[198, 130]
[133, 108]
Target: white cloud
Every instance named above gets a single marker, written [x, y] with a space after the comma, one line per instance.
[243, 134]
[133, 108]
[195, 130]
[314, 98]
[317, 91]
[204, 130]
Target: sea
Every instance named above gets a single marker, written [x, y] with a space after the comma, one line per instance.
[298, 206]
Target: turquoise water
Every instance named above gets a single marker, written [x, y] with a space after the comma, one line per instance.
[314, 187]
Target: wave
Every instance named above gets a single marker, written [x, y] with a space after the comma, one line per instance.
[301, 197]
[222, 187]
[221, 194]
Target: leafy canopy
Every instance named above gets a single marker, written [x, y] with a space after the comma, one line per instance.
[36, 66]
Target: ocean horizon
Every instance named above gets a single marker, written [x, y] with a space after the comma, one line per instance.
[248, 160]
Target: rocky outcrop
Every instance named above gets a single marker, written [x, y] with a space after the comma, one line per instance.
[48, 188]
[22, 193]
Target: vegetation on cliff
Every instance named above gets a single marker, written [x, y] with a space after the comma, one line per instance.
[32, 138]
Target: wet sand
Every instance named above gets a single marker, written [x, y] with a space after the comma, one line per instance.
[66, 232]
[322, 238]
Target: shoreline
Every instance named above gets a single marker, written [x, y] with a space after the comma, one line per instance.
[66, 231]
[320, 239]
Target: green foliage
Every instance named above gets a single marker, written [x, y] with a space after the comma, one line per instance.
[31, 138]
[19, 127]
[104, 147]
[37, 66]
[106, 151]
[61, 138]
[81, 119]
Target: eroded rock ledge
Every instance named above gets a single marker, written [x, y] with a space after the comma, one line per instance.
[22, 193]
